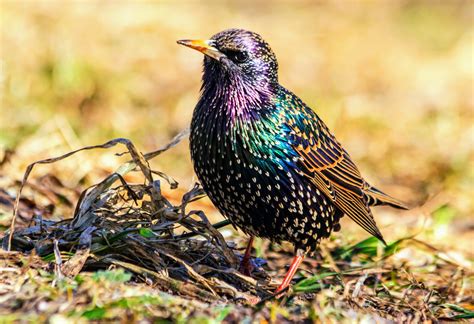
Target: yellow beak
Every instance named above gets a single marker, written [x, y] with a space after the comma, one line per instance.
[204, 46]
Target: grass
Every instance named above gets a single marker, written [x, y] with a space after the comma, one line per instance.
[157, 261]
[393, 81]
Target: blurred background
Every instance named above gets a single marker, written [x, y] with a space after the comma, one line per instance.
[393, 80]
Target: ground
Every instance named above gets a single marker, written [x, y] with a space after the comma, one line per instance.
[392, 80]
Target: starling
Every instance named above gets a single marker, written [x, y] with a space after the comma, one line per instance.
[265, 159]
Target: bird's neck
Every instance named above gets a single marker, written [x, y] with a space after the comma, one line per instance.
[237, 99]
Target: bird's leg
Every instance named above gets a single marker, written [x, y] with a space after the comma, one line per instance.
[291, 271]
[245, 265]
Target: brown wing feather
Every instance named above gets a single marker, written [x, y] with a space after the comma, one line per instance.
[331, 169]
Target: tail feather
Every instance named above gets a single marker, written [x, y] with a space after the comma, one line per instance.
[377, 198]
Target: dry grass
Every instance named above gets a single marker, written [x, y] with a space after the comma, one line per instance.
[393, 80]
[133, 227]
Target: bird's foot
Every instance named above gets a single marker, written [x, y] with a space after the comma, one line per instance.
[281, 290]
[246, 266]
[289, 275]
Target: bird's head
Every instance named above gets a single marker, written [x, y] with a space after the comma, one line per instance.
[237, 54]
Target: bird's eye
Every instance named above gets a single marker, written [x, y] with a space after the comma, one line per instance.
[238, 56]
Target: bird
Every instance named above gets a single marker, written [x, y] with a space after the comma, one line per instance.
[265, 159]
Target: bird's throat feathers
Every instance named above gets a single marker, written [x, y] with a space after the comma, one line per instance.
[229, 94]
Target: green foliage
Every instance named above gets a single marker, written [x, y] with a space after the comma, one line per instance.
[146, 232]
[114, 276]
[222, 312]
[313, 283]
[464, 313]
[64, 255]
[370, 247]
[95, 313]
[444, 215]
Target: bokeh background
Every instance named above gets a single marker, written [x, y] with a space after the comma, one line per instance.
[393, 80]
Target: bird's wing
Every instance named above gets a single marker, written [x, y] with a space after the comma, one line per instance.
[330, 167]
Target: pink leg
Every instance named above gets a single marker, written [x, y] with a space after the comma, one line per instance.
[245, 265]
[291, 272]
